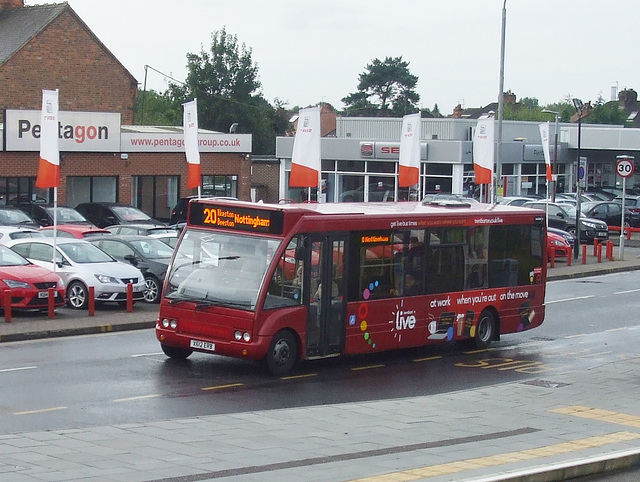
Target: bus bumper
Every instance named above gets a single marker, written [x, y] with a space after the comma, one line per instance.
[255, 349]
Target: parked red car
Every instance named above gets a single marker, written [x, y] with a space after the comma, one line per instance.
[557, 243]
[79, 231]
[28, 283]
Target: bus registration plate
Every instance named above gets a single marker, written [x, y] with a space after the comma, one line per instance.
[203, 345]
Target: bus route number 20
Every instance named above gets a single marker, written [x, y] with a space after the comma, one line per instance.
[210, 216]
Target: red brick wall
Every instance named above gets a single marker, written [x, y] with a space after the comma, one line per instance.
[266, 176]
[25, 164]
[67, 57]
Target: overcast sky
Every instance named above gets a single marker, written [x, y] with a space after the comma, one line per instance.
[308, 51]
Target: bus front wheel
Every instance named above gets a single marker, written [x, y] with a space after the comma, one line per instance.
[485, 330]
[282, 353]
[176, 353]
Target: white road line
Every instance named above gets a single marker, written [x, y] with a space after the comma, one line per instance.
[146, 354]
[569, 299]
[16, 369]
[625, 292]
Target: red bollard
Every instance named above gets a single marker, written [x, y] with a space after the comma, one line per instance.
[129, 297]
[553, 257]
[92, 301]
[596, 242]
[610, 250]
[51, 303]
[6, 302]
[584, 254]
[599, 253]
[569, 256]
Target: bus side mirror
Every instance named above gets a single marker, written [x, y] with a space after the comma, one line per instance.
[300, 253]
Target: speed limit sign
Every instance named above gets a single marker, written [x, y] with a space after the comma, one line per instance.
[624, 167]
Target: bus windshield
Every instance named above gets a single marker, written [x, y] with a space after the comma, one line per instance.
[214, 268]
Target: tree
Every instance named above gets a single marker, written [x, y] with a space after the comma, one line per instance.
[385, 88]
[606, 113]
[224, 79]
[157, 109]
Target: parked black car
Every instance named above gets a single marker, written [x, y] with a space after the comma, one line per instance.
[104, 214]
[563, 216]
[611, 213]
[149, 255]
[42, 214]
[12, 216]
[179, 211]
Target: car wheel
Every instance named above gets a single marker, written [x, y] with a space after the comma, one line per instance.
[77, 296]
[151, 290]
[176, 353]
[485, 330]
[282, 353]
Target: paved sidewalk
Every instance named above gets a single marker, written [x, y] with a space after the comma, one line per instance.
[543, 428]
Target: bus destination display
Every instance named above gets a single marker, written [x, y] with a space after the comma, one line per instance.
[236, 218]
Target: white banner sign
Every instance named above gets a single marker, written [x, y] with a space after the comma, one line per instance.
[165, 142]
[77, 131]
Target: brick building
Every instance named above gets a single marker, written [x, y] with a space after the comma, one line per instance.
[50, 47]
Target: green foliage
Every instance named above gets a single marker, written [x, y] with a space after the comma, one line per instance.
[606, 113]
[384, 89]
[224, 80]
[156, 109]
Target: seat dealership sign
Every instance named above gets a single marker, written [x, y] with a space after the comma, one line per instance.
[102, 132]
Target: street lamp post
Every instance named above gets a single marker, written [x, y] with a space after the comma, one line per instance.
[577, 103]
[555, 156]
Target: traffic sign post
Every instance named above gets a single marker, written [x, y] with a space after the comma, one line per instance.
[624, 168]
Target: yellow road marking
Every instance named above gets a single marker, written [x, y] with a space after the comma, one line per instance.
[219, 387]
[500, 459]
[602, 415]
[366, 368]
[42, 410]
[428, 358]
[293, 377]
[141, 397]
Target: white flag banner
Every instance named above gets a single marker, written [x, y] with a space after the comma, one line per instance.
[49, 166]
[544, 135]
[190, 127]
[305, 160]
[409, 162]
[483, 150]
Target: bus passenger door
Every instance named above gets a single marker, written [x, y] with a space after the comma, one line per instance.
[326, 319]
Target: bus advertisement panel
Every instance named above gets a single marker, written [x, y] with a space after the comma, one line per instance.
[283, 283]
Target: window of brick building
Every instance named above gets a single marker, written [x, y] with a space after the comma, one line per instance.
[82, 189]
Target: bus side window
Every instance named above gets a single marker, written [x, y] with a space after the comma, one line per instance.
[286, 285]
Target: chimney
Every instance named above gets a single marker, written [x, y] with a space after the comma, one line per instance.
[11, 4]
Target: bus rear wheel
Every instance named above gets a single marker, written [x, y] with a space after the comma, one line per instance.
[175, 352]
[282, 353]
[485, 330]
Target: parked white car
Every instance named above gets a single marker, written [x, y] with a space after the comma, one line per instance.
[81, 264]
[9, 233]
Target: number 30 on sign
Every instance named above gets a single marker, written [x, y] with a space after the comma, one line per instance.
[624, 167]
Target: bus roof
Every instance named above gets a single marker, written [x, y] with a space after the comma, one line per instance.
[280, 218]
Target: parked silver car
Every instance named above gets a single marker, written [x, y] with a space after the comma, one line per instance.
[81, 265]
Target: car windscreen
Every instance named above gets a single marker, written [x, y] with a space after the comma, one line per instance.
[11, 258]
[153, 248]
[84, 252]
[130, 214]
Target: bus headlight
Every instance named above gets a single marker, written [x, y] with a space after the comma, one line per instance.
[169, 323]
[240, 336]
